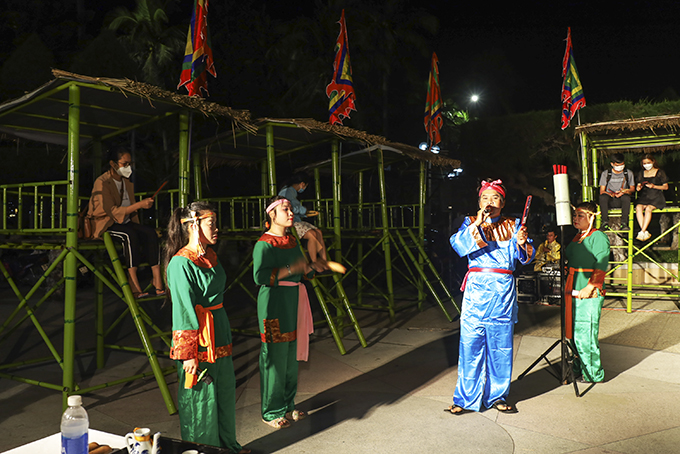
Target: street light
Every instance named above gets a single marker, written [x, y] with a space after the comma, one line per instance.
[474, 98]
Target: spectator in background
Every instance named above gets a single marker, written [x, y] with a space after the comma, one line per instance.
[315, 243]
[616, 186]
[652, 182]
[548, 251]
[112, 206]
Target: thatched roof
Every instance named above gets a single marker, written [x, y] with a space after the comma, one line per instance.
[347, 133]
[634, 124]
[152, 93]
[108, 108]
[306, 142]
[642, 135]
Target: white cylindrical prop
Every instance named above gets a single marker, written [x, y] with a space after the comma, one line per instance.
[562, 203]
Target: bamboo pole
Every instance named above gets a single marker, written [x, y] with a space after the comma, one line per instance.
[196, 158]
[139, 324]
[337, 227]
[584, 172]
[360, 241]
[184, 158]
[595, 177]
[271, 160]
[386, 235]
[70, 263]
[422, 183]
[317, 198]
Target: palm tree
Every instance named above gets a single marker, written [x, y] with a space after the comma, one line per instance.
[155, 46]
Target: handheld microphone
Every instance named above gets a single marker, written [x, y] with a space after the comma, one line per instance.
[487, 210]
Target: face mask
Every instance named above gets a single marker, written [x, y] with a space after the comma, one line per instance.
[124, 172]
[301, 190]
[619, 168]
[648, 166]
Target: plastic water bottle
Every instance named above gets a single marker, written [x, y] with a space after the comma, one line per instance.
[74, 426]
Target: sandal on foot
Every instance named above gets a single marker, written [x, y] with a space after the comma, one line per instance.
[456, 410]
[140, 295]
[296, 415]
[160, 292]
[278, 423]
[504, 407]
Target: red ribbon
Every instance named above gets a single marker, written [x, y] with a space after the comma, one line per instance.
[482, 270]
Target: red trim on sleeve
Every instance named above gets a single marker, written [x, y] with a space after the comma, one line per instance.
[184, 344]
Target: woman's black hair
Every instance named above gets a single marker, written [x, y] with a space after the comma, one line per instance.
[178, 233]
[587, 206]
[651, 158]
[114, 154]
[268, 216]
[298, 177]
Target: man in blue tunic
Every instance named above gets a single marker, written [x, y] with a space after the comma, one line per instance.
[493, 245]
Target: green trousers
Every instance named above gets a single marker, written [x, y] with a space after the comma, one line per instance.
[207, 413]
[278, 378]
[586, 331]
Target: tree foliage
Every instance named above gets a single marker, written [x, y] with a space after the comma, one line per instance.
[153, 43]
[27, 68]
[521, 149]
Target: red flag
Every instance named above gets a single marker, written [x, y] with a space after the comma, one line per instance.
[433, 105]
[198, 58]
[341, 89]
[572, 90]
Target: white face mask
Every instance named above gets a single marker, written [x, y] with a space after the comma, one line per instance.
[619, 168]
[124, 172]
[648, 166]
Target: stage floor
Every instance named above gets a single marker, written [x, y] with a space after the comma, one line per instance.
[390, 397]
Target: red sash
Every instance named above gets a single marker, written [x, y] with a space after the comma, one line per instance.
[482, 270]
[206, 337]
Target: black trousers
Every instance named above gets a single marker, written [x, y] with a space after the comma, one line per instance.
[140, 243]
[607, 201]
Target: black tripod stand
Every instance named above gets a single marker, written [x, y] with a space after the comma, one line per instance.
[565, 371]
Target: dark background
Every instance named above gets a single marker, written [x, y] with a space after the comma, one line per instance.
[509, 54]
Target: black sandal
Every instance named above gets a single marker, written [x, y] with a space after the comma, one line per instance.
[504, 407]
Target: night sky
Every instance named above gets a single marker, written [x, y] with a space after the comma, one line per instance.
[623, 50]
[511, 54]
[627, 53]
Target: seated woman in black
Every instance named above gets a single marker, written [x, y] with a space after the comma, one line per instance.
[652, 182]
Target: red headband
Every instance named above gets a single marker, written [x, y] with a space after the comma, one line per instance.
[495, 185]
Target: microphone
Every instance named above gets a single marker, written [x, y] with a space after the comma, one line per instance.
[487, 210]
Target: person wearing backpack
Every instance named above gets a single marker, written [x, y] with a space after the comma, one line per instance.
[616, 186]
